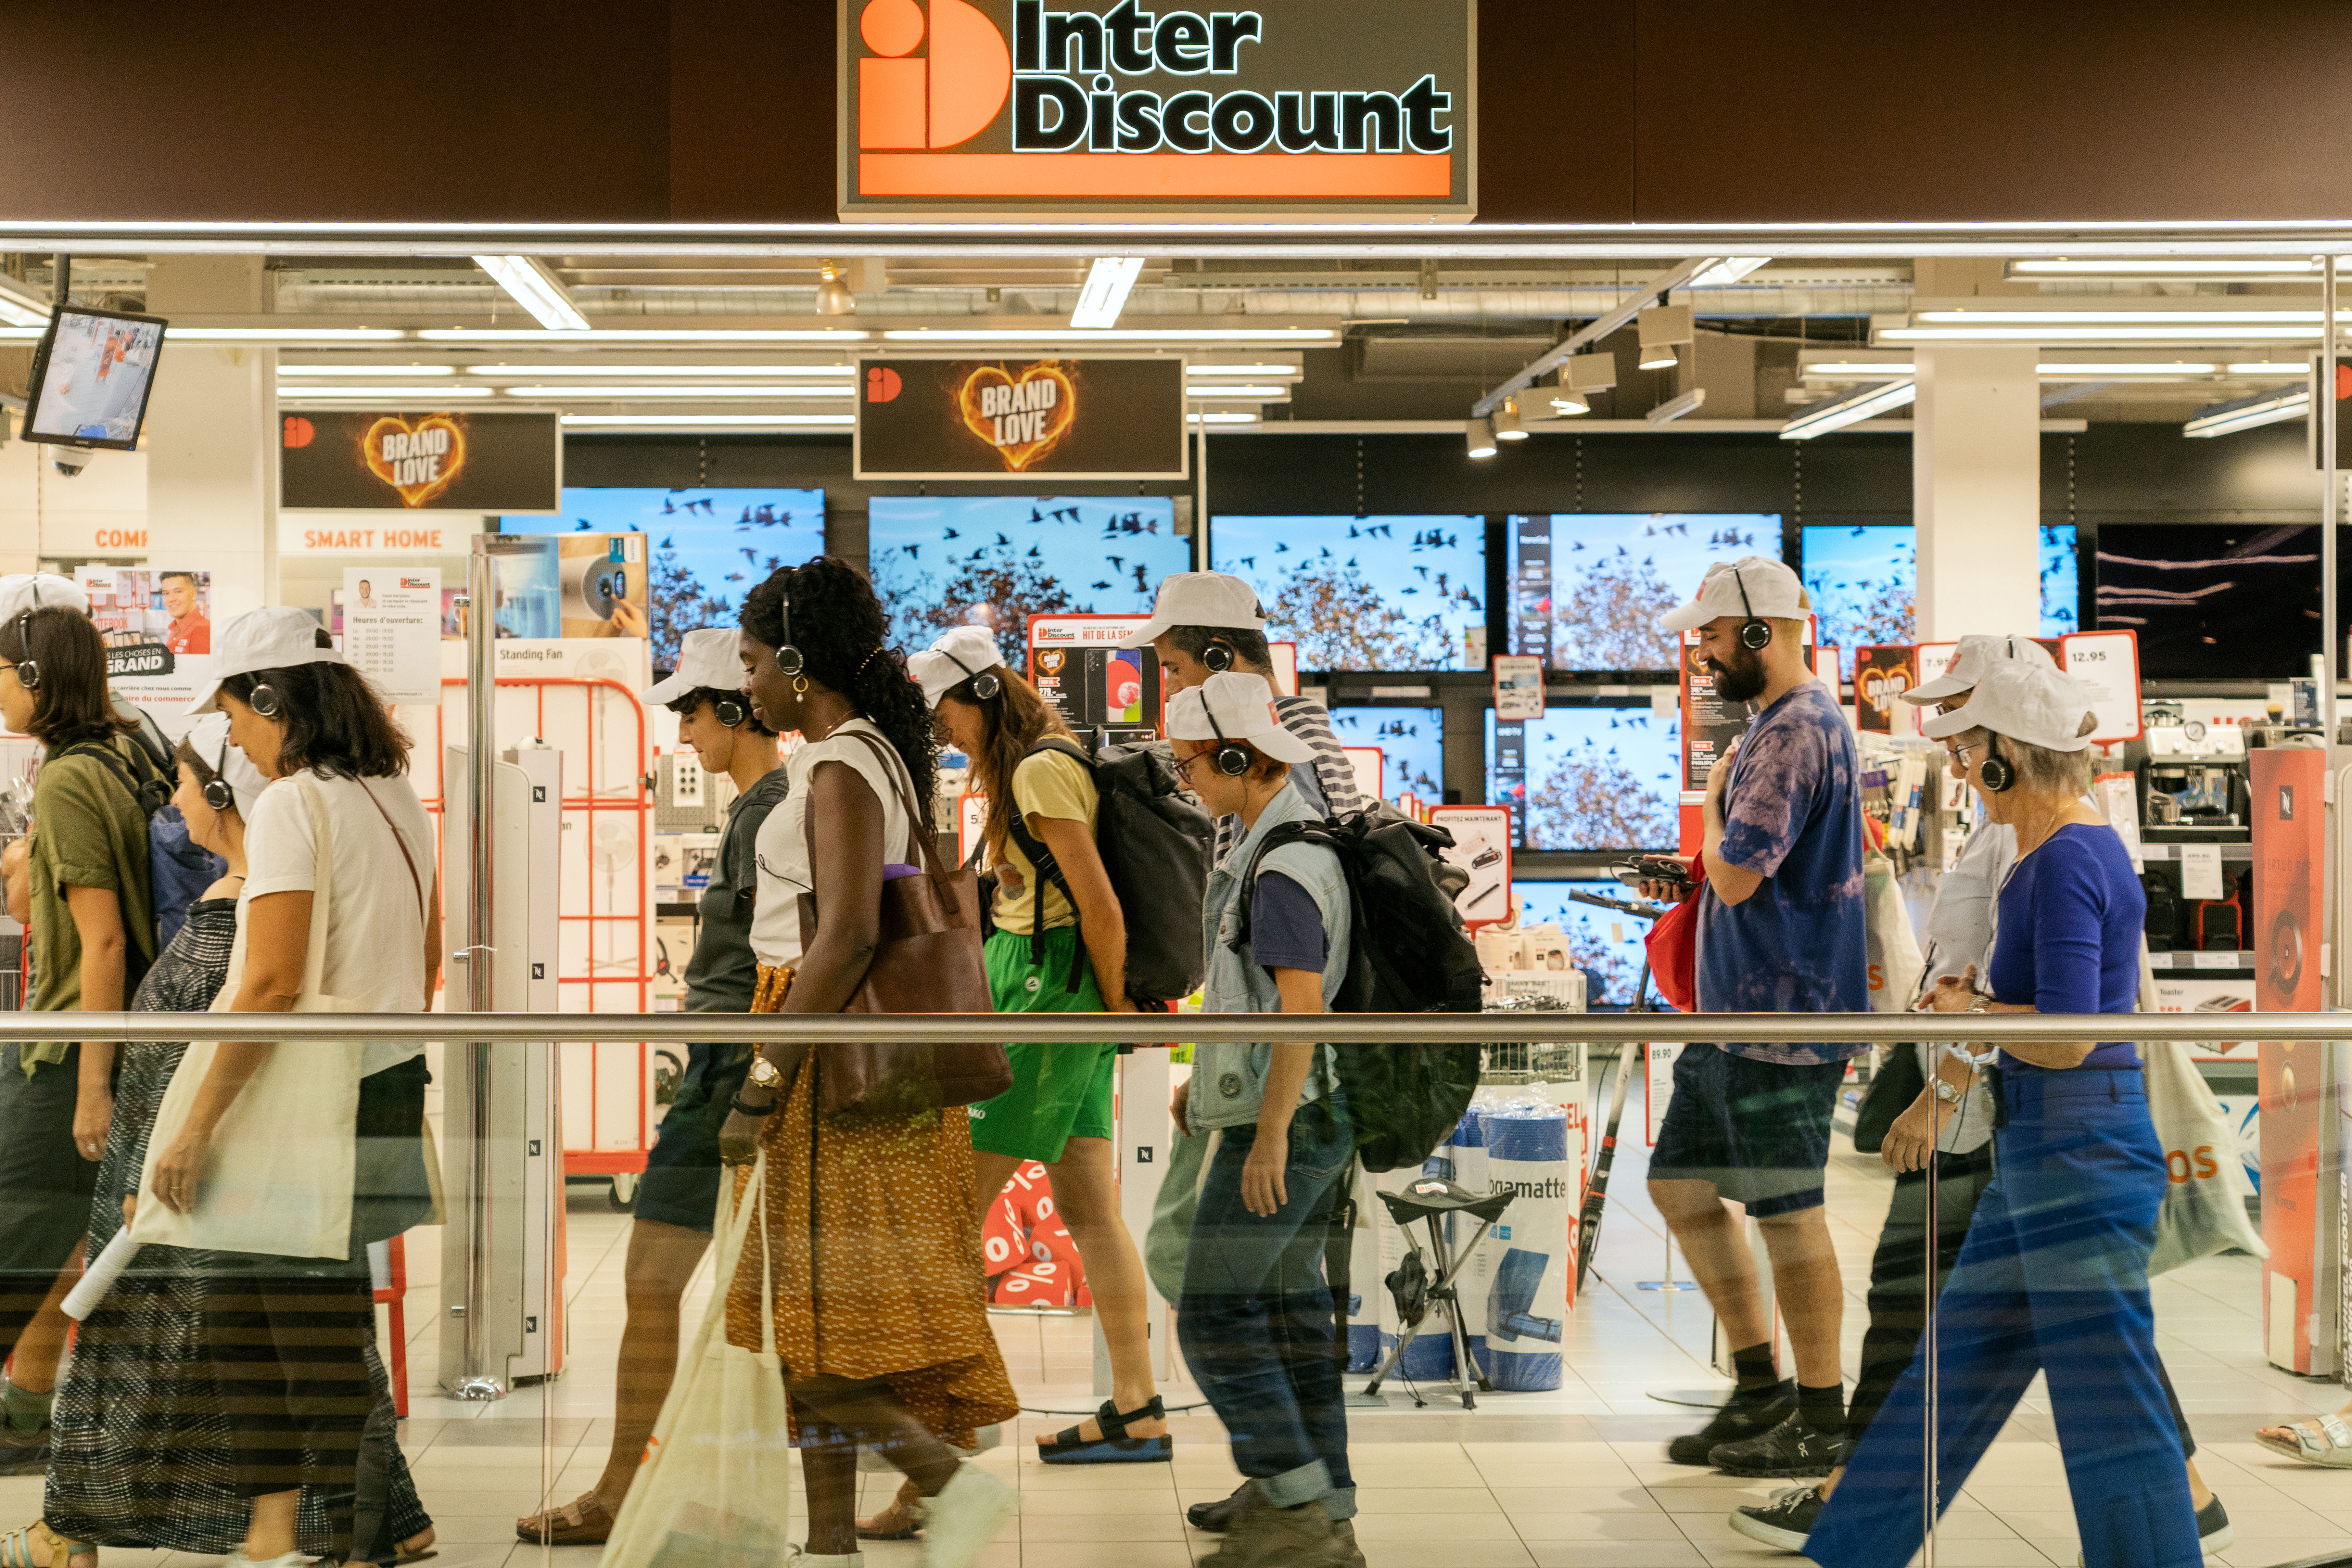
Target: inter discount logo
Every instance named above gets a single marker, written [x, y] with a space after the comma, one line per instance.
[1013, 100]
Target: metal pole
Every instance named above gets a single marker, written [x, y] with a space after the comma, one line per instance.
[2331, 650]
[479, 1382]
[1200, 493]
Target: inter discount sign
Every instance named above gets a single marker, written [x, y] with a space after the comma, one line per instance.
[1093, 419]
[1335, 107]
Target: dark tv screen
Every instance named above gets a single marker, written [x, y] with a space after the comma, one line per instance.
[2212, 601]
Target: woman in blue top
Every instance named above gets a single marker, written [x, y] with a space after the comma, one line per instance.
[2054, 1274]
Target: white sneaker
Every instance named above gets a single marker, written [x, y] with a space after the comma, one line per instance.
[806, 1559]
[237, 1559]
[965, 1516]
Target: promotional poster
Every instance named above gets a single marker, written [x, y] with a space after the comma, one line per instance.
[1091, 684]
[358, 459]
[1881, 676]
[1096, 417]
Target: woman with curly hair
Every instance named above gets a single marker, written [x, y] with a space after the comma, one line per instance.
[880, 1317]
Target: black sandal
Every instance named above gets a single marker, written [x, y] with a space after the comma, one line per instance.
[1113, 1446]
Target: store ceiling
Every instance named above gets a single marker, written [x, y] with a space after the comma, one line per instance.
[737, 341]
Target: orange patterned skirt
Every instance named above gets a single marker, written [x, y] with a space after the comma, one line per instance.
[877, 1259]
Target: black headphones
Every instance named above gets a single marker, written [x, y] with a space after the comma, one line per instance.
[730, 711]
[1755, 632]
[1998, 772]
[28, 668]
[984, 683]
[1232, 761]
[1218, 656]
[263, 699]
[217, 793]
[788, 658]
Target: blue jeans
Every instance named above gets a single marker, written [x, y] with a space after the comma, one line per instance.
[2054, 1279]
[1257, 1323]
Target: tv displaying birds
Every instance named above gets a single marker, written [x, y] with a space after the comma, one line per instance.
[1411, 743]
[1587, 588]
[1389, 592]
[707, 548]
[940, 561]
[1862, 577]
[1605, 775]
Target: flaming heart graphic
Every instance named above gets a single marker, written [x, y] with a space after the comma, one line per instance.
[420, 460]
[1043, 426]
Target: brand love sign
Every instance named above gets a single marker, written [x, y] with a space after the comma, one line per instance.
[345, 459]
[1093, 419]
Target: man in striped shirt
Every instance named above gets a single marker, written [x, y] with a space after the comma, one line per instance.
[1209, 621]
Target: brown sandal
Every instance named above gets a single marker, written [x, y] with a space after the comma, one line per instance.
[899, 1522]
[583, 1522]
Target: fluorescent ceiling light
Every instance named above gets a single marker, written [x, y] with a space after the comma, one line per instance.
[1675, 408]
[2164, 265]
[536, 290]
[642, 335]
[1116, 334]
[1284, 370]
[1223, 416]
[285, 370]
[1230, 389]
[2089, 369]
[2274, 408]
[2066, 334]
[2268, 367]
[288, 334]
[672, 389]
[1851, 409]
[379, 394]
[2073, 316]
[20, 307]
[608, 370]
[1730, 269]
[1109, 282]
[714, 421]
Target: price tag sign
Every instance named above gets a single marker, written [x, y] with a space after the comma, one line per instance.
[1518, 687]
[391, 630]
[2107, 664]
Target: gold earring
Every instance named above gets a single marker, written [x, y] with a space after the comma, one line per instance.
[800, 686]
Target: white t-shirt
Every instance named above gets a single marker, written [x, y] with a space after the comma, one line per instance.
[375, 918]
[783, 844]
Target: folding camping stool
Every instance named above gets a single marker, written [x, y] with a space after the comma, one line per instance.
[1432, 1198]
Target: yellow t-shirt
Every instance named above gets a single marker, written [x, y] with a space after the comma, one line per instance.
[1052, 783]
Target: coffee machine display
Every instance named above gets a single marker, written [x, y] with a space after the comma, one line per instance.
[2193, 785]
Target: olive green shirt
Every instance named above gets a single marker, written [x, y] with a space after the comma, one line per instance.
[87, 832]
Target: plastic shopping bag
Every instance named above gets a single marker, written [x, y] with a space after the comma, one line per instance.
[2204, 1207]
[715, 1489]
[1893, 948]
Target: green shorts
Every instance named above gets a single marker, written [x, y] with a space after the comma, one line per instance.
[1059, 1092]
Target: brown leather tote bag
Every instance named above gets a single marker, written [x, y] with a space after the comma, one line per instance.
[927, 959]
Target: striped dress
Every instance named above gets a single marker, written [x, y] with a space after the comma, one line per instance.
[141, 1446]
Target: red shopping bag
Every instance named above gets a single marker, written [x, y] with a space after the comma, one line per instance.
[1672, 945]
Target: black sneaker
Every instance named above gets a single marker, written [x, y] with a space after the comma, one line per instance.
[24, 1453]
[1218, 1517]
[1784, 1522]
[1791, 1448]
[1743, 1416]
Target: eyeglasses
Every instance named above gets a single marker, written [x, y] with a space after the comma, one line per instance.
[1184, 767]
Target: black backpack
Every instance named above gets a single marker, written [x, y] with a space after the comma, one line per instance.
[1155, 847]
[1407, 952]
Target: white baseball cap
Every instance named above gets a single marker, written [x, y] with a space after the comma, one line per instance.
[276, 636]
[1232, 706]
[208, 739]
[23, 591]
[2025, 702]
[705, 657]
[1753, 585]
[1198, 599]
[1974, 655]
[955, 658]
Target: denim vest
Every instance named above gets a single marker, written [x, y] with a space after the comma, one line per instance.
[1229, 1081]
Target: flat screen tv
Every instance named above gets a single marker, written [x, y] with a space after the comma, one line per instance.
[1603, 940]
[1391, 593]
[91, 376]
[1863, 578]
[1411, 743]
[708, 547]
[1587, 588]
[1599, 777]
[2211, 601]
[940, 561]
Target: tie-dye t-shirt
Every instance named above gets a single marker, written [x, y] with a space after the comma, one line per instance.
[1792, 813]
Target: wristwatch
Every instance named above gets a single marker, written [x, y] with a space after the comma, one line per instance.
[1947, 1093]
[763, 1073]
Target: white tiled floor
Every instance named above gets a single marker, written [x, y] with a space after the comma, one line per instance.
[1575, 1478]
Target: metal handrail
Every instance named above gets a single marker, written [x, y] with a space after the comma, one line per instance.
[1159, 1028]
